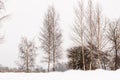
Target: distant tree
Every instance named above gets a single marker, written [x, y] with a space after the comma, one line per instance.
[4, 68]
[114, 38]
[61, 66]
[50, 37]
[27, 55]
[39, 69]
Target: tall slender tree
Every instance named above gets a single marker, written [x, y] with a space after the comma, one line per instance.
[90, 29]
[50, 37]
[46, 38]
[98, 15]
[79, 28]
[56, 37]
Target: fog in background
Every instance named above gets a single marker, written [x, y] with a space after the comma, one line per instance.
[26, 18]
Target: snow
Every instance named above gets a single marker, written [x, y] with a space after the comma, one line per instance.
[68, 75]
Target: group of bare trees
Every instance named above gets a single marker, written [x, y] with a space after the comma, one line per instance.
[97, 39]
[94, 34]
[88, 29]
[50, 40]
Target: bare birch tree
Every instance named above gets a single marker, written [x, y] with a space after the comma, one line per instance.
[79, 28]
[101, 27]
[27, 55]
[56, 37]
[50, 37]
[46, 38]
[90, 32]
[98, 16]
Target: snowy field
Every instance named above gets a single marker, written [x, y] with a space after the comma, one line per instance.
[68, 75]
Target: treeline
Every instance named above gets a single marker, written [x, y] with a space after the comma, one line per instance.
[37, 69]
[97, 40]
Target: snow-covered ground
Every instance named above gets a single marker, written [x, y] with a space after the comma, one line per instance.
[68, 75]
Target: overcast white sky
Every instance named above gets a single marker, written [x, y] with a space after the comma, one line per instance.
[26, 18]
